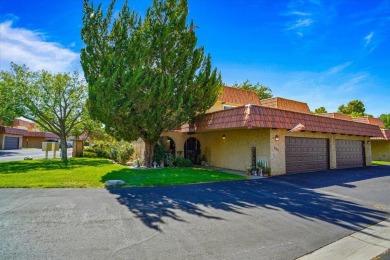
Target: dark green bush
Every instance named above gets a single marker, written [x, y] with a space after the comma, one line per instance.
[183, 162]
[159, 153]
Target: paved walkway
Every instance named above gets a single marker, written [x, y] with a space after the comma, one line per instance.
[365, 244]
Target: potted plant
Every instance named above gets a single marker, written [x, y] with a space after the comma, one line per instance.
[249, 170]
[260, 167]
[203, 160]
[254, 171]
[267, 172]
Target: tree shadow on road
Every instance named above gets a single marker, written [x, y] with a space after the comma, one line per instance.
[154, 205]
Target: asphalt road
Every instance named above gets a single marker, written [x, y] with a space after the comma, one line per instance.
[15, 155]
[275, 218]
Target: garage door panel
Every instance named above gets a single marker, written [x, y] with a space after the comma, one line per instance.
[349, 153]
[306, 154]
[11, 142]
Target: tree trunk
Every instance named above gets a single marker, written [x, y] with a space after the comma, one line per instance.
[148, 155]
[64, 149]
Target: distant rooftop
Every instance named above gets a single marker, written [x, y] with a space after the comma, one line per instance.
[369, 120]
[286, 104]
[337, 115]
[239, 96]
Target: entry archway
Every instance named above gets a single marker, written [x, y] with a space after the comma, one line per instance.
[192, 150]
[169, 145]
[164, 151]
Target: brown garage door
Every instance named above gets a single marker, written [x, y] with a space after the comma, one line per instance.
[306, 154]
[349, 153]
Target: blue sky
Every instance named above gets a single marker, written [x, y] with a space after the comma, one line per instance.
[325, 53]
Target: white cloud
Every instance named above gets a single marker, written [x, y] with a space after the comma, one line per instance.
[298, 13]
[338, 68]
[300, 23]
[23, 46]
[368, 39]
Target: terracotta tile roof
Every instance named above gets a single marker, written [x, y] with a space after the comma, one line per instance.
[369, 120]
[385, 135]
[239, 96]
[266, 117]
[41, 134]
[337, 115]
[12, 131]
[286, 104]
[23, 132]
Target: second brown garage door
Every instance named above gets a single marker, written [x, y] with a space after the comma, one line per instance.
[349, 153]
[306, 154]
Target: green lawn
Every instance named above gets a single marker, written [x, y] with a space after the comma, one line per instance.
[92, 173]
[381, 162]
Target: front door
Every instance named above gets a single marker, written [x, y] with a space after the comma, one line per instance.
[192, 150]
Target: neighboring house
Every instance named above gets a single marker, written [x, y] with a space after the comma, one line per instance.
[23, 134]
[11, 138]
[380, 146]
[240, 130]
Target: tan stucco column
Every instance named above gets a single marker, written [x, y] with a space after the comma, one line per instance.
[277, 151]
[332, 152]
[367, 151]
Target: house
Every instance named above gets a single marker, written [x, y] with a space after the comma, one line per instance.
[23, 134]
[240, 130]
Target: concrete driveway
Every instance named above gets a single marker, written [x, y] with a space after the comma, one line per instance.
[275, 218]
[15, 155]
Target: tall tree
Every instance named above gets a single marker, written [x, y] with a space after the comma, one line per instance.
[10, 107]
[263, 92]
[320, 110]
[353, 108]
[145, 76]
[54, 101]
[386, 120]
[88, 127]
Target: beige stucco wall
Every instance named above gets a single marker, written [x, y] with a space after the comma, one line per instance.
[380, 150]
[277, 148]
[33, 142]
[234, 152]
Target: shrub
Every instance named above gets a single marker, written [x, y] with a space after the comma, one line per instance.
[183, 162]
[102, 150]
[91, 150]
[117, 151]
[159, 153]
[89, 154]
[123, 151]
